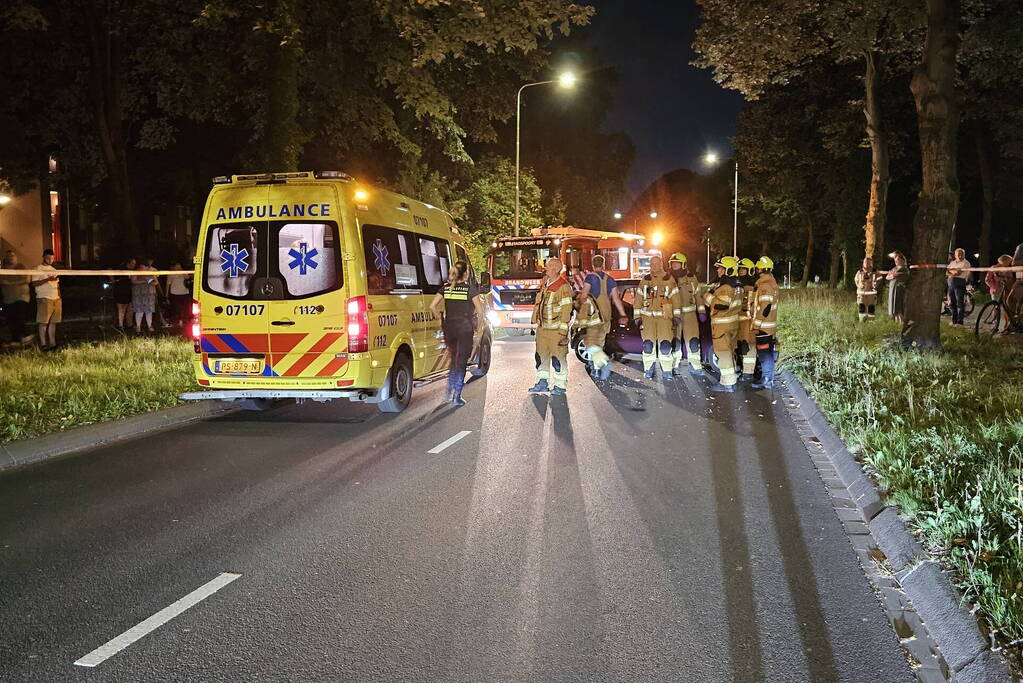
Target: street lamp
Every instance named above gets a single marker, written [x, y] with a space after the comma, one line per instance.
[711, 159]
[5, 199]
[653, 214]
[565, 80]
[708, 254]
[618, 215]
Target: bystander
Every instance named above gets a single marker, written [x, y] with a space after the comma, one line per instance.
[897, 278]
[958, 272]
[143, 298]
[48, 303]
[180, 297]
[122, 295]
[16, 297]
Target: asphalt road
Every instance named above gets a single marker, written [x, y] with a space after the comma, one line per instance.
[645, 532]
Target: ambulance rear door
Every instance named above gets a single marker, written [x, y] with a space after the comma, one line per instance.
[233, 341]
[304, 287]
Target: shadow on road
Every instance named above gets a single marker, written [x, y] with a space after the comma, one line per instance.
[799, 570]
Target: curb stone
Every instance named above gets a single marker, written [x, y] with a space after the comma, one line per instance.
[29, 451]
[923, 606]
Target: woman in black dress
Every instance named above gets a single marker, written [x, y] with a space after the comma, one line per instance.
[122, 294]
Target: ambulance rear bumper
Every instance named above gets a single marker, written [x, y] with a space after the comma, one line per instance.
[321, 395]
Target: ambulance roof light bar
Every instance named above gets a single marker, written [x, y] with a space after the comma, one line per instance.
[226, 179]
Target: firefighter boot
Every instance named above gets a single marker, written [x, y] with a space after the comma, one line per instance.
[767, 355]
[539, 388]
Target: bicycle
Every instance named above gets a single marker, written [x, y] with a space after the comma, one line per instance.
[995, 317]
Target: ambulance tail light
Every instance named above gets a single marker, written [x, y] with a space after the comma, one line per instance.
[196, 327]
[358, 325]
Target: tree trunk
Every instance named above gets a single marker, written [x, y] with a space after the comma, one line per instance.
[934, 91]
[877, 208]
[106, 100]
[809, 253]
[845, 269]
[834, 255]
[986, 164]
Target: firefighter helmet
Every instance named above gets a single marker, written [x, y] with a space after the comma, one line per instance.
[765, 264]
[729, 263]
[678, 257]
[747, 264]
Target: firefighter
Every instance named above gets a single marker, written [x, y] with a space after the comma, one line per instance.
[551, 315]
[602, 290]
[724, 301]
[687, 335]
[766, 297]
[866, 289]
[658, 312]
[746, 344]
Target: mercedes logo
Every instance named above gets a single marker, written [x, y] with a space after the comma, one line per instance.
[267, 289]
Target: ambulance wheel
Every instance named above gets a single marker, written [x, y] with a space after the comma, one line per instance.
[400, 380]
[483, 359]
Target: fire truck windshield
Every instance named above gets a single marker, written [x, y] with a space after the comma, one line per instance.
[518, 262]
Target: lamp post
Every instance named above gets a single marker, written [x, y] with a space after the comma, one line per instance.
[565, 80]
[708, 254]
[711, 159]
[635, 221]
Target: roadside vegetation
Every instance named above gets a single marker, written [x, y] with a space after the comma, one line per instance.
[49, 392]
[941, 432]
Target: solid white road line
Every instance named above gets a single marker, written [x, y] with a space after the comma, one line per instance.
[444, 444]
[111, 648]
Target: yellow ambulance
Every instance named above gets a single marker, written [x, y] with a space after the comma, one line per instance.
[312, 286]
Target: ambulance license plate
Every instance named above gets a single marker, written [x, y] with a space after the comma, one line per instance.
[238, 366]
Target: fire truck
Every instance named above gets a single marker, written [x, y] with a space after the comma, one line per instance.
[516, 265]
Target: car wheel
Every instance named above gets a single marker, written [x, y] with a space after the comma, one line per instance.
[580, 350]
[400, 381]
[483, 358]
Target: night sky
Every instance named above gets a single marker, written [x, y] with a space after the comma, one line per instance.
[672, 111]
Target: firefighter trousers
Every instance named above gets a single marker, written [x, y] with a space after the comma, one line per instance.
[687, 343]
[552, 357]
[593, 340]
[724, 348]
[747, 346]
[866, 303]
[658, 336]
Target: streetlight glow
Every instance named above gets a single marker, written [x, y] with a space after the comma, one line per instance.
[5, 199]
[710, 158]
[567, 79]
[618, 215]
[653, 214]
[656, 239]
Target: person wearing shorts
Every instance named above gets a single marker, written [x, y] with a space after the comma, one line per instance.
[48, 303]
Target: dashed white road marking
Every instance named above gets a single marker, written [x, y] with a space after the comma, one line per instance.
[112, 647]
[444, 444]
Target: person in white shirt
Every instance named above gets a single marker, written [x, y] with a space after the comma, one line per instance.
[48, 305]
[957, 274]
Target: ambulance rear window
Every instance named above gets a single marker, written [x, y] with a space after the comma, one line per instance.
[233, 256]
[308, 257]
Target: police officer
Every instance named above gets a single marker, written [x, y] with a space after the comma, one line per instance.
[599, 293]
[866, 289]
[658, 312]
[687, 335]
[724, 301]
[765, 321]
[462, 309]
[746, 345]
[551, 315]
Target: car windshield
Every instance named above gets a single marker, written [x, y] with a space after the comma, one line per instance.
[520, 262]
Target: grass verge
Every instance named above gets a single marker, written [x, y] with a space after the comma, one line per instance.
[941, 433]
[43, 393]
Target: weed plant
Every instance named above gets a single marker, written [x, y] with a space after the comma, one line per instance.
[940, 431]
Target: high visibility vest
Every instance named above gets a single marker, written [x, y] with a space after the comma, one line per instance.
[658, 298]
[687, 286]
[603, 297]
[724, 295]
[765, 305]
[866, 283]
[553, 307]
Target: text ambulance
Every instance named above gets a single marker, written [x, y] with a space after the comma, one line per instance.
[311, 286]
